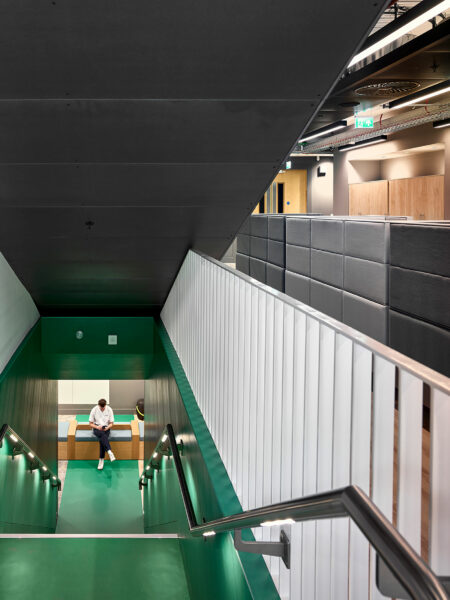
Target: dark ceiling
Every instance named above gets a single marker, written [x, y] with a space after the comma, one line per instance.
[423, 62]
[132, 131]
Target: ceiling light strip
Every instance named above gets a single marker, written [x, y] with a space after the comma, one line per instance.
[376, 140]
[323, 131]
[442, 123]
[432, 12]
[430, 92]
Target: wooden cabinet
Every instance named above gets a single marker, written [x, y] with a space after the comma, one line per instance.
[417, 197]
[370, 198]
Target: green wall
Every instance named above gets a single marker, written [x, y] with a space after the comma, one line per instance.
[213, 567]
[91, 357]
[28, 403]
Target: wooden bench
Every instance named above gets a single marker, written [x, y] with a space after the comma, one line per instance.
[124, 438]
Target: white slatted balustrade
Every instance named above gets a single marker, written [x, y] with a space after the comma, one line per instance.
[298, 403]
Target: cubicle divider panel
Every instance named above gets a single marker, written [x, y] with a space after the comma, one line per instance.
[298, 403]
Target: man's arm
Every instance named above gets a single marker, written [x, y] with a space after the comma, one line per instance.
[111, 419]
[93, 425]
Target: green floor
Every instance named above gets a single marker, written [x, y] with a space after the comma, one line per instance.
[107, 501]
[83, 569]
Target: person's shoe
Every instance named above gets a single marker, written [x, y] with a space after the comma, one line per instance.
[112, 458]
[100, 464]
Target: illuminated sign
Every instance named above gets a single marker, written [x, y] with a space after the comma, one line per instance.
[363, 122]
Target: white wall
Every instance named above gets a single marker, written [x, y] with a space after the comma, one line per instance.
[82, 392]
[320, 192]
[18, 312]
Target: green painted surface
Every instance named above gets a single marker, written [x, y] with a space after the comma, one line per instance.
[28, 403]
[106, 501]
[169, 398]
[28, 504]
[92, 357]
[83, 569]
[117, 418]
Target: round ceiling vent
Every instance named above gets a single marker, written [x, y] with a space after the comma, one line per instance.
[386, 89]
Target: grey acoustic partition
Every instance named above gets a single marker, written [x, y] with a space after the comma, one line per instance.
[243, 263]
[276, 228]
[369, 317]
[422, 341]
[258, 269]
[243, 243]
[298, 231]
[367, 240]
[327, 234]
[298, 286]
[423, 295]
[367, 278]
[298, 259]
[327, 299]
[327, 267]
[421, 247]
[258, 248]
[276, 253]
[259, 225]
[275, 277]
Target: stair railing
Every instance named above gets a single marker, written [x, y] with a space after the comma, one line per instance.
[19, 446]
[396, 554]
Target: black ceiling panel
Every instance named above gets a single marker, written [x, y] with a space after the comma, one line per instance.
[202, 49]
[133, 131]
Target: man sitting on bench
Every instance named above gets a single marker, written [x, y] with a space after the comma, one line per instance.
[101, 420]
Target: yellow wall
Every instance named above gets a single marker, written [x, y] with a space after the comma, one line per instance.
[295, 185]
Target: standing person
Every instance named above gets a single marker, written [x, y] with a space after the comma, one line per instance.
[101, 420]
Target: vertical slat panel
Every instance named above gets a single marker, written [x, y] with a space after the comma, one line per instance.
[268, 408]
[382, 446]
[325, 457]
[289, 405]
[310, 453]
[298, 416]
[360, 465]
[277, 414]
[410, 458]
[440, 482]
[286, 428]
[261, 400]
[341, 462]
[253, 398]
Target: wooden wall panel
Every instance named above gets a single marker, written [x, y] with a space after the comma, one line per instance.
[418, 197]
[370, 198]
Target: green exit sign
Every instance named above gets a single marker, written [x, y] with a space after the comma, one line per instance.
[363, 122]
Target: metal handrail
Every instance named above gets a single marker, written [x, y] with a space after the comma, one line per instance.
[19, 447]
[407, 566]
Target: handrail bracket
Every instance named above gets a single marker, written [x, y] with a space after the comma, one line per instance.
[282, 549]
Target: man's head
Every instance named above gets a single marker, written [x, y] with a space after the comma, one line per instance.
[102, 404]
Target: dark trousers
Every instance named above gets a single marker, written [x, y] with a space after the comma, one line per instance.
[103, 438]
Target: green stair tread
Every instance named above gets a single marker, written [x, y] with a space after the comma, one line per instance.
[70, 569]
[105, 501]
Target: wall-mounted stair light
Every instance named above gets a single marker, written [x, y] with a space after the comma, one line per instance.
[416, 16]
[442, 123]
[430, 92]
[323, 131]
[277, 522]
[375, 140]
[209, 533]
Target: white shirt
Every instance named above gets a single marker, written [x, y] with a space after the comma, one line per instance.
[101, 417]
